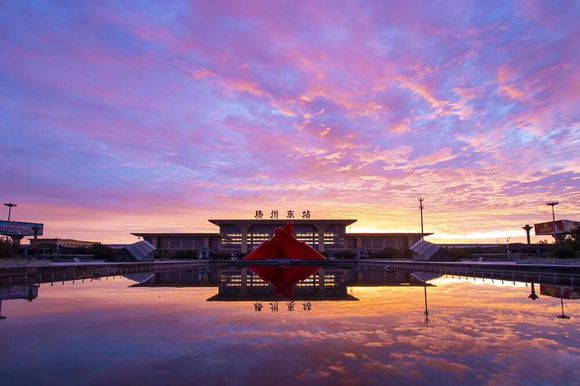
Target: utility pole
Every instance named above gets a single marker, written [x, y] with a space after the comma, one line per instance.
[10, 206]
[35, 229]
[421, 207]
[553, 204]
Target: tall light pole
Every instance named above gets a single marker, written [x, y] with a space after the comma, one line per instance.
[421, 207]
[10, 206]
[553, 204]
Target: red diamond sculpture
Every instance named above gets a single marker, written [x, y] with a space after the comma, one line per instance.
[284, 246]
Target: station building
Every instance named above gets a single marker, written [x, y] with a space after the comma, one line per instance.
[242, 236]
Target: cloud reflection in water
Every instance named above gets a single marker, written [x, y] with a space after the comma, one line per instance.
[106, 333]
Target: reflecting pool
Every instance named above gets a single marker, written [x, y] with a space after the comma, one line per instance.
[341, 327]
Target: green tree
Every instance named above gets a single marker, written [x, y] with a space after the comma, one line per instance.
[573, 239]
[7, 248]
[101, 252]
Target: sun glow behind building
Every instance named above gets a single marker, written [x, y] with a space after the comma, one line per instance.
[122, 117]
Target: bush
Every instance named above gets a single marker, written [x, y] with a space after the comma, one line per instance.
[187, 254]
[346, 255]
[573, 239]
[99, 252]
[391, 253]
[217, 255]
[563, 251]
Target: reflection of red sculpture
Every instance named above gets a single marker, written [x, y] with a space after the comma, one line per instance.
[284, 246]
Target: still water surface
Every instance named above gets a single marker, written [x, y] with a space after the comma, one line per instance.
[111, 332]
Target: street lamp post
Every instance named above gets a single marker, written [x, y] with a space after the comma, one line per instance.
[553, 204]
[528, 228]
[10, 206]
[35, 229]
[421, 207]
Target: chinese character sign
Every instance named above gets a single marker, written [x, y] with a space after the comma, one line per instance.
[274, 214]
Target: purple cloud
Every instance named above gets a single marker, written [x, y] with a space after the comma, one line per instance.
[223, 107]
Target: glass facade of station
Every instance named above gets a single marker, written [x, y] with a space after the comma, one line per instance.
[232, 235]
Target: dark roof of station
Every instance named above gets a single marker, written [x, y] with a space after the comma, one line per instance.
[199, 234]
[56, 239]
[384, 234]
[296, 221]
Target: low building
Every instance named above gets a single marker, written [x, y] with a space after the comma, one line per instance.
[237, 236]
[49, 245]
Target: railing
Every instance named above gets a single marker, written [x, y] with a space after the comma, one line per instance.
[516, 273]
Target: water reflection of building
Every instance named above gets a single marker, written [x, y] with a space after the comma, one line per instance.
[557, 291]
[241, 236]
[27, 292]
[195, 277]
[243, 284]
[372, 276]
[239, 284]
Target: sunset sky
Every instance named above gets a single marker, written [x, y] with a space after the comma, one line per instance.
[118, 117]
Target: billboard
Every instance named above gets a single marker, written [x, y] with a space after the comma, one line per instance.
[19, 228]
[562, 226]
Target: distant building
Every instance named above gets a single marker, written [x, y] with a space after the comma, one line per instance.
[242, 236]
[60, 244]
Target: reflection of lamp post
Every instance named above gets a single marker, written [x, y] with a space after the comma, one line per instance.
[533, 295]
[553, 204]
[1, 317]
[10, 206]
[421, 207]
[427, 321]
[563, 316]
